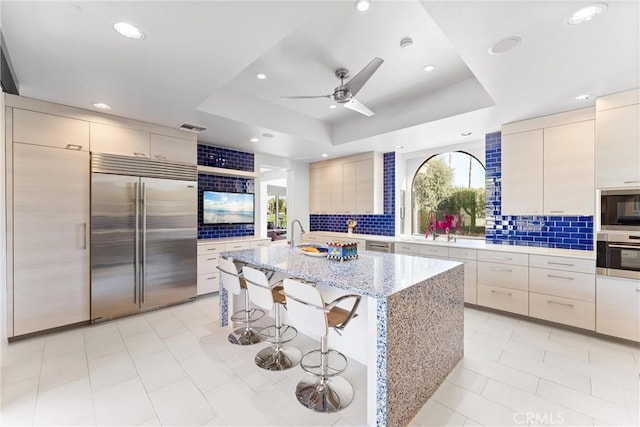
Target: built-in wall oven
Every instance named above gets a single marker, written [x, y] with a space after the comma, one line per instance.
[618, 254]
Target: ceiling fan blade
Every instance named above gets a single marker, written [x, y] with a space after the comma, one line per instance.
[355, 84]
[305, 97]
[355, 105]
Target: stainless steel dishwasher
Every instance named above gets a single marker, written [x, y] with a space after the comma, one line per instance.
[377, 246]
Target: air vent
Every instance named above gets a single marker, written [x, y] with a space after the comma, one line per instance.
[192, 128]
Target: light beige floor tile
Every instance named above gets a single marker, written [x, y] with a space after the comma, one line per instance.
[134, 325]
[18, 401]
[549, 372]
[614, 363]
[24, 348]
[518, 325]
[144, 344]
[498, 330]
[532, 407]
[206, 372]
[257, 378]
[577, 353]
[107, 342]
[155, 315]
[224, 400]
[184, 345]
[479, 349]
[67, 405]
[63, 369]
[434, 414]
[472, 423]
[62, 343]
[99, 329]
[472, 405]
[468, 380]
[124, 404]
[343, 422]
[167, 326]
[506, 374]
[159, 370]
[515, 347]
[20, 367]
[182, 404]
[151, 422]
[616, 394]
[587, 404]
[110, 370]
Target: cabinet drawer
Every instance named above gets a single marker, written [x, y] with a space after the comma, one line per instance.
[503, 257]
[581, 314]
[117, 140]
[207, 263]
[504, 299]
[208, 283]
[407, 248]
[213, 248]
[507, 276]
[30, 127]
[566, 264]
[261, 244]
[238, 246]
[461, 253]
[434, 251]
[566, 284]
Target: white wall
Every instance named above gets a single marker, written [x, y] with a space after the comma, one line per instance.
[408, 163]
[3, 236]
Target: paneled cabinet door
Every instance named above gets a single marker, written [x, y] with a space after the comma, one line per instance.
[117, 140]
[31, 127]
[618, 147]
[569, 170]
[336, 193]
[349, 175]
[365, 187]
[173, 149]
[50, 232]
[522, 178]
[618, 307]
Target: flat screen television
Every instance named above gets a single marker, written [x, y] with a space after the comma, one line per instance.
[219, 207]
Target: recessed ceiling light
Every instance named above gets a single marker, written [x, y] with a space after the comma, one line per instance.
[406, 43]
[586, 13]
[101, 106]
[127, 30]
[363, 5]
[332, 106]
[324, 155]
[261, 76]
[429, 68]
[267, 135]
[400, 147]
[583, 97]
[466, 133]
[504, 45]
[254, 140]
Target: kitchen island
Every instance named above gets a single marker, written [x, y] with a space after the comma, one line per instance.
[412, 319]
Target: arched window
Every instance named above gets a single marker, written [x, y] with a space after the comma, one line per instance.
[448, 192]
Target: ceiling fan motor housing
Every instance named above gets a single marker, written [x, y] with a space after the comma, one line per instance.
[341, 94]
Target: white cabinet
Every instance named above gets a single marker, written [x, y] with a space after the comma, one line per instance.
[503, 281]
[468, 257]
[31, 127]
[522, 173]
[119, 140]
[618, 307]
[347, 185]
[407, 248]
[50, 238]
[617, 151]
[434, 251]
[562, 310]
[569, 170]
[162, 147]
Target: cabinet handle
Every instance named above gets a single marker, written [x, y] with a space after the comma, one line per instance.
[559, 303]
[632, 182]
[505, 270]
[211, 278]
[559, 277]
[211, 259]
[84, 236]
[502, 257]
[73, 147]
[432, 250]
[560, 263]
[624, 246]
[160, 157]
[556, 211]
[139, 154]
[493, 291]
[212, 249]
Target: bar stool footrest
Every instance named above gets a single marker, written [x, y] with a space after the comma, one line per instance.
[287, 333]
[311, 363]
[255, 314]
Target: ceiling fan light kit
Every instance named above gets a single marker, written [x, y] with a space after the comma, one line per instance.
[362, 5]
[406, 42]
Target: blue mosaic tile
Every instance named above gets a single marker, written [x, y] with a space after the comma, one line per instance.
[218, 157]
[563, 232]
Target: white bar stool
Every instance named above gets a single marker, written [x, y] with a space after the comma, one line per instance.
[234, 283]
[269, 296]
[307, 310]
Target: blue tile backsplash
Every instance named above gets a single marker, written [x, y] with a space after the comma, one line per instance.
[382, 225]
[563, 232]
[227, 159]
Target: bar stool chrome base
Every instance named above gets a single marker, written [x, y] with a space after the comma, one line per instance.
[278, 358]
[325, 395]
[244, 336]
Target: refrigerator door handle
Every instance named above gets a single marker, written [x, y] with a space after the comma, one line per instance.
[143, 202]
[136, 261]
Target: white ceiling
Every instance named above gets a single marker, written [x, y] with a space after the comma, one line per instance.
[198, 61]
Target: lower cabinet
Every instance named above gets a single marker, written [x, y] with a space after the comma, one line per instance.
[51, 268]
[512, 300]
[580, 314]
[618, 307]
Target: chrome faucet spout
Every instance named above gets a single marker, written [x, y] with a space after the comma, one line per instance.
[292, 241]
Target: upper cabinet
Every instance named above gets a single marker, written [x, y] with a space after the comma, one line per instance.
[548, 165]
[347, 185]
[30, 127]
[617, 151]
[119, 140]
[173, 149]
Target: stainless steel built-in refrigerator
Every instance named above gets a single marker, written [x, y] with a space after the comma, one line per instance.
[143, 235]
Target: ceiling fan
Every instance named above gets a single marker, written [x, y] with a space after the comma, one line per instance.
[345, 93]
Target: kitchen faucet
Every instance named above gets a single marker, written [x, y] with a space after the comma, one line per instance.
[292, 241]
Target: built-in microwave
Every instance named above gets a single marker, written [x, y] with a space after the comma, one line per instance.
[618, 255]
[620, 209]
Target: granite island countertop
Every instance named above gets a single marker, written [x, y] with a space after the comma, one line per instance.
[375, 274]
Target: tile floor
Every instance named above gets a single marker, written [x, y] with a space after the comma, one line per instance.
[174, 367]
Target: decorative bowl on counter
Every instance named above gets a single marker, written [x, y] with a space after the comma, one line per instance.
[314, 250]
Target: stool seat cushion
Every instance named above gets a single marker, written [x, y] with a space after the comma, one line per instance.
[278, 296]
[337, 316]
